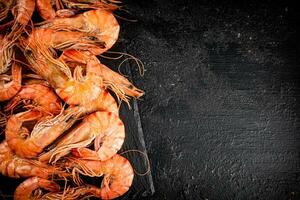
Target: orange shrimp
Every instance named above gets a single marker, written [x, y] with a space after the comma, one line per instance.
[25, 190]
[117, 171]
[116, 82]
[101, 23]
[105, 128]
[104, 102]
[44, 99]
[74, 89]
[43, 133]
[8, 90]
[16, 167]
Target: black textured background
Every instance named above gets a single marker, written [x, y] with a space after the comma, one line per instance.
[221, 110]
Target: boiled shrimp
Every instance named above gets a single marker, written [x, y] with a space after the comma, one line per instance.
[77, 89]
[101, 23]
[43, 133]
[25, 190]
[44, 99]
[16, 167]
[117, 171]
[114, 81]
[104, 128]
[74, 89]
[8, 90]
[104, 102]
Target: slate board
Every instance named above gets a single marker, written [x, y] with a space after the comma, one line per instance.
[142, 185]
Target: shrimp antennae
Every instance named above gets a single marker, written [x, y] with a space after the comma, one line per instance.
[139, 63]
[147, 161]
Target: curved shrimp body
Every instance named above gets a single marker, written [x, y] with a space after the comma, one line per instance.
[74, 89]
[114, 81]
[81, 90]
[25, 190]
[16, 167]
[106, 128]
[8, 90]
[104, 102]
[43, 133]
[100, 23]
[44, 99]
[117, 171]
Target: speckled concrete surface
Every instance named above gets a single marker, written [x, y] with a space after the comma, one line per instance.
[221, 110]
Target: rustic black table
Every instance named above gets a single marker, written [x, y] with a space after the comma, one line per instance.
[221, 111]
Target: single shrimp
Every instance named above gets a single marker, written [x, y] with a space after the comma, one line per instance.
[44, 99]
[84, 90]
[25, 190]
[8, 90]
[43, 133]
[117, 171]
[74, 89]
[101, 23]
[113, 80]
[105, 128]
[16, 167]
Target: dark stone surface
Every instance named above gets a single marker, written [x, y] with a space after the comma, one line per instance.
[221, 110]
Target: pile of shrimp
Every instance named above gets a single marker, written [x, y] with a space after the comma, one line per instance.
[59, 104]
